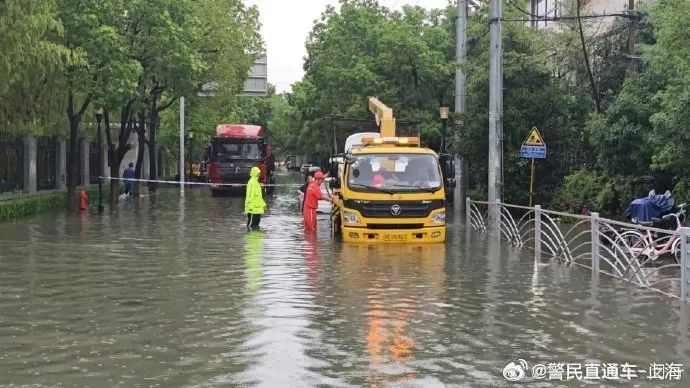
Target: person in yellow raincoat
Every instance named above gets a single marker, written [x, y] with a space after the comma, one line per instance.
[254, 204]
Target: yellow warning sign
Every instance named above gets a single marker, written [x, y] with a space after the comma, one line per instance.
[534, 138]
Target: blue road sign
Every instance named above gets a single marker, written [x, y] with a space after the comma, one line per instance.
[533, 152]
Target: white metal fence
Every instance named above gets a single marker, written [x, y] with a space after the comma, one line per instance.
[650, 257]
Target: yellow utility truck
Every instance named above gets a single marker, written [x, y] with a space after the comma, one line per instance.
[388, 189]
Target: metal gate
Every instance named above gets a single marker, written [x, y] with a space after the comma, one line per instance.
[11, 166]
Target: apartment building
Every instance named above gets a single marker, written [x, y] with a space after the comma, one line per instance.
[555, 8]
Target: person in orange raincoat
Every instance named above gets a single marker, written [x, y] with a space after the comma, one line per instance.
[311, 201]
[82, 200]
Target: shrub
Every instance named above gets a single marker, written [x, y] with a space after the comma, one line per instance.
[23, 207]
[681, 192]
[586, 189]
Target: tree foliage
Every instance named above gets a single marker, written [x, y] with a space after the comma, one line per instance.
[643, 131]
[599, 120]
[669, 62]
[607, 128]
[32, 57]
[63, 59]
[363, 50]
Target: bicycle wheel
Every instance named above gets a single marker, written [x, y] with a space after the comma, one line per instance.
[676, 250]
[631, 241]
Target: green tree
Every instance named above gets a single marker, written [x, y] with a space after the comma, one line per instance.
[30, 65]
[670, 61]
[642, 132]
[94, 44]
[533, 97]
[178, 47]
[363, 49]
[227, 44]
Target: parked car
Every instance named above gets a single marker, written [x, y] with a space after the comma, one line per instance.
[305, 168]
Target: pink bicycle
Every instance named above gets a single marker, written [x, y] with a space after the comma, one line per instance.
[651, 245]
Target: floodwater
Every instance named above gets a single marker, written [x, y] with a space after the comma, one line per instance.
[171, 291]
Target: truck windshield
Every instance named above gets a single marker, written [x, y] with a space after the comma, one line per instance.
[238, 151]
[390, 173]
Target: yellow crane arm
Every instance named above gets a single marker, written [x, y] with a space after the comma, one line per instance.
[384, 117]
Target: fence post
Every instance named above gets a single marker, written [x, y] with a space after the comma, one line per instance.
[104, 170]
[495, 218]
[468, 211]
[60, 165]
[85, 175]
[161, 165]
[594, 224]
[684, 263]
[30, 183]
[537, 232]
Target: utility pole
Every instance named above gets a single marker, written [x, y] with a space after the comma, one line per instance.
[495, 118]
[632, 65]
[182, 146]
[460, 56]
[460, 99]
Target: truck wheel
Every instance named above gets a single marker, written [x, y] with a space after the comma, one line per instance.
[335, 224]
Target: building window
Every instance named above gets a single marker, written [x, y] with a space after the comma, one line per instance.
[545, 9]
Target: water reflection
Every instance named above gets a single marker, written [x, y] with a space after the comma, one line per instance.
[399, 284]
[253, 261]
[84, 222]
[314, 260]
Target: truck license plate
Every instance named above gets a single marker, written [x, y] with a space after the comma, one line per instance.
[394, 237]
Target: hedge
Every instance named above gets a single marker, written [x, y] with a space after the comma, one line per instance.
[22, 207]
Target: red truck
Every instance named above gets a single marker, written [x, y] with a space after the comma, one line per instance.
[234, 150]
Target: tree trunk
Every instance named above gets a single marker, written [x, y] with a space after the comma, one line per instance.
[593, 84]
[141, 136]
[123, 147]
[118, 153]
[72, 160]
[153, 120]
[114, 193]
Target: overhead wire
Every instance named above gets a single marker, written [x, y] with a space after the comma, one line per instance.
[522, 10]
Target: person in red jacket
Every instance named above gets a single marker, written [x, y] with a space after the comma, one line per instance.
[311, 201]
[82, 200]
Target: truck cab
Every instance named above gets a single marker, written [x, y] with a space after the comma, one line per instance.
[233, 152]
[389, 189]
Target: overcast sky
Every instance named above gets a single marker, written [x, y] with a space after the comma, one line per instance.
[285, 26]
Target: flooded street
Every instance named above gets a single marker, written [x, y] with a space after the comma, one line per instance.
[171, 291]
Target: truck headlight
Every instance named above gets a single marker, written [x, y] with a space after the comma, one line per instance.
[350, 218]
[439, 218]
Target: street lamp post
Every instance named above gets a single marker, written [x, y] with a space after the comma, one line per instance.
[99, 117]
[444, 111]
[190, 134]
